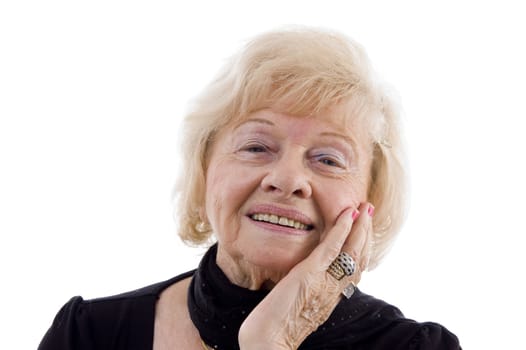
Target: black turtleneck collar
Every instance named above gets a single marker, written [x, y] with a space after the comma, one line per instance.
[218, 308]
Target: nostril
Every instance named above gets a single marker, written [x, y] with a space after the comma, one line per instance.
[271, 188]
[299, 192]
[286, 182]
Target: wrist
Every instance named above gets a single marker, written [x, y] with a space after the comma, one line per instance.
[259, 342]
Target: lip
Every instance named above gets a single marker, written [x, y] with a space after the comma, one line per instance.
[279, 211]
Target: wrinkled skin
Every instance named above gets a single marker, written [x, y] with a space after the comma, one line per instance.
[314, 170]
[306, 297]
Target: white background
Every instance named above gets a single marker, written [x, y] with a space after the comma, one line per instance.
[91, 95]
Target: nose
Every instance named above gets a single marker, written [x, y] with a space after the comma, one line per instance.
[287, 177]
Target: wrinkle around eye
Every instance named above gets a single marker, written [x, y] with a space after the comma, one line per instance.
[339, 168]
[253, 152]
[331, 160]
[255, 149]
[252, 143]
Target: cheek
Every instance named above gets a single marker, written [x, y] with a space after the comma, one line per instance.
[227, 191]
[215, 193]
[341, 197]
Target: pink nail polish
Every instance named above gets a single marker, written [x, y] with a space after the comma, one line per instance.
[355, 214]
[370, 210]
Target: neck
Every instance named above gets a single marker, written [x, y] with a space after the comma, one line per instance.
[245, 274]
[218, 307]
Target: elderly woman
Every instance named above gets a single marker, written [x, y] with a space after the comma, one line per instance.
[294, 175]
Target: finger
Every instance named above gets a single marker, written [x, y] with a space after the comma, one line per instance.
[355, 243]
[332, 243]
[365, 254]
[358, 242]
[369, 245]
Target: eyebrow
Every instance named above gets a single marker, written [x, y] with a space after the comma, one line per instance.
[343, 137]
[255, 120]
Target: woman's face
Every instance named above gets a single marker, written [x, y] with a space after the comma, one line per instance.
[276, 183]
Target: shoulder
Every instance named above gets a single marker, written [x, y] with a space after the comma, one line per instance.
[109, 322]
[409, 334]
[365, 322]
[392, 330]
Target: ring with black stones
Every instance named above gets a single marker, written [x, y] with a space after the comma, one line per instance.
[342, 266]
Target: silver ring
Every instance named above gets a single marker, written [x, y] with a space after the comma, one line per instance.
[349, 290]
[344, 265]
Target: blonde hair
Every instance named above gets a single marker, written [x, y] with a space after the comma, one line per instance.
[305, 71]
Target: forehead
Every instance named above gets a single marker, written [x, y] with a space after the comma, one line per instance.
[291, 125]
[337, 120]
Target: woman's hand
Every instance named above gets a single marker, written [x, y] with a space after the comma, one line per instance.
[308, 294]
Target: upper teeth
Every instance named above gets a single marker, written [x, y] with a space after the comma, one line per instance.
[281, 220]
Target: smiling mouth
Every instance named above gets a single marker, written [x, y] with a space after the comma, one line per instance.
[280, 220]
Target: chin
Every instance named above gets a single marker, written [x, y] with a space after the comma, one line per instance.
[279, 260]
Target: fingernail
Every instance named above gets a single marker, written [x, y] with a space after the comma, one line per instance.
[355, 214]
[370, 210]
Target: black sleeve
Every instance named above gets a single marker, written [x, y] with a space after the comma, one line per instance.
[410, 335]
[123, 322]
[433, 336]
[67, 331]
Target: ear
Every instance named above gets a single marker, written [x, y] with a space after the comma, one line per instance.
[202, 215]
[203, 225]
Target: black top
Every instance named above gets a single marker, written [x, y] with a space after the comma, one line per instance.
[217, 308]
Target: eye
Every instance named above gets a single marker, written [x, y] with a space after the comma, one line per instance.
[330, 160]
[254, 148]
